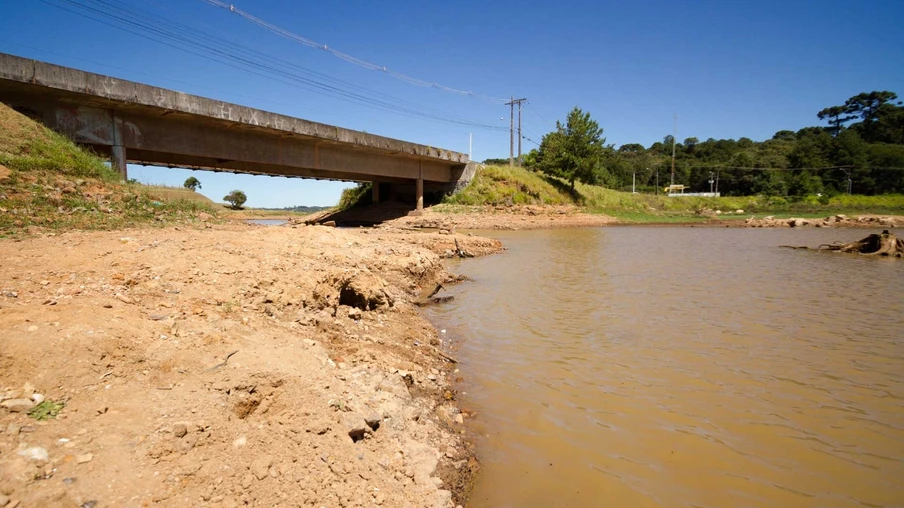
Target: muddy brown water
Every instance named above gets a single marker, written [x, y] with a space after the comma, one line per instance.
[697, 367]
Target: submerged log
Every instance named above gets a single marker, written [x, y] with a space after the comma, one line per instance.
[885, 244]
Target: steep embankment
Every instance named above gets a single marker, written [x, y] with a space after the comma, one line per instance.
[49, 183]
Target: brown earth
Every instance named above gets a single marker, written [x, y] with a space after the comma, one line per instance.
[227, 366]
[505, 217]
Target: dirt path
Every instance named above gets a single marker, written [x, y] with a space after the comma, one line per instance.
[336, 394]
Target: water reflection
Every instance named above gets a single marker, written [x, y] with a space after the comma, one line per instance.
[683, 367]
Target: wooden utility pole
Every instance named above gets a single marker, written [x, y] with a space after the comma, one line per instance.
[512, 130]
[674, 140]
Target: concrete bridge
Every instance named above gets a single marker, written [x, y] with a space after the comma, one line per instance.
[137, 123]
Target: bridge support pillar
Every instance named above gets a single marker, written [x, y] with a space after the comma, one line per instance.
[375, 191]
[118, 161]
[420, 196]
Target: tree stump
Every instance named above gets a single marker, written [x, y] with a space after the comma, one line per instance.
[885, 244]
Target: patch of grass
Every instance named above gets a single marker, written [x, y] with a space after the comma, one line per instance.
[502, 185]
[46, 410]
[357, 195]
[26, 145]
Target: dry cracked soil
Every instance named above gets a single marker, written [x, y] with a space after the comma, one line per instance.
[229, 365]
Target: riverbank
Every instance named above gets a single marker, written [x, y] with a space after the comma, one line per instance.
[229, 365]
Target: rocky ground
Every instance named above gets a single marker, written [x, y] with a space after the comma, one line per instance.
[228, 366]
[838, 221]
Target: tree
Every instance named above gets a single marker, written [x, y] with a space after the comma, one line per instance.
[574, 151]
[836, 116]
[237, 198]
[192, 183]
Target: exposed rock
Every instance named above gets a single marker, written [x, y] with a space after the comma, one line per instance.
[180, 430]
[355, 425]
[18, 405]
[204, 216]
[84, 459]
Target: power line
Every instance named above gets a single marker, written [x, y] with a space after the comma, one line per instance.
[188, 39]
[345, 56]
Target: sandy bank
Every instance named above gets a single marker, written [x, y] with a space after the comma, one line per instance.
[504, 218]
[336, 394]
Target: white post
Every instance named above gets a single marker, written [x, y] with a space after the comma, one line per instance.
[633, 182]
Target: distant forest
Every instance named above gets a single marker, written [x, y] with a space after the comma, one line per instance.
[300, 209]
[861, 149]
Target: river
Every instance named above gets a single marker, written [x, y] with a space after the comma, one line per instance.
[677, 366]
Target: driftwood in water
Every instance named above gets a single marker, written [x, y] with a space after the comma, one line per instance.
[430, 298]
[885, 244]
[461, 253]
[434, 301]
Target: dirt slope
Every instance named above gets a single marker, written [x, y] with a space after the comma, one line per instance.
[336, 394]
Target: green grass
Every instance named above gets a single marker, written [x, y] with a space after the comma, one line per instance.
[54, 184]
[502, 185]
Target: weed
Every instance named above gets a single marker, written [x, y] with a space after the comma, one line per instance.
[46, 410]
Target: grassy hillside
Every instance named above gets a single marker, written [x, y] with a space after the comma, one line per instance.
[502, 185]
[48, 182]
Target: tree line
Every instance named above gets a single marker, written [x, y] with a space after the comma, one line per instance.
[861, 149]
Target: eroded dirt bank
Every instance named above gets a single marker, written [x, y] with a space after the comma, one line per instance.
[337, 393]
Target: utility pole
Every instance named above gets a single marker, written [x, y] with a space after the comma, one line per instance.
[519, 133]
[512, 130]
[674, 139]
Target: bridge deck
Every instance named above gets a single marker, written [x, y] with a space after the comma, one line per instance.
[151, 125]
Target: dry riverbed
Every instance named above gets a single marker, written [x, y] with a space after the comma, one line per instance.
[228, 366]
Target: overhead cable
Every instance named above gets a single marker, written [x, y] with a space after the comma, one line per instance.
[345, 56]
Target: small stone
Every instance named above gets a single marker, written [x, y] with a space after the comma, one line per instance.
[32, 328]
[124, 299]
[240, 442]
[4, 500]
[431, 377]
[273, 472]
[35, 453]
[459, 418]
[158, 317]
[355, 313]
[13, 429]
[37, 397]
[260, 468]
[354, 424]
[18, 405]
[84, 459]
[180, 430]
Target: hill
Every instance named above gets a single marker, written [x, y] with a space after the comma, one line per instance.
[48, 182]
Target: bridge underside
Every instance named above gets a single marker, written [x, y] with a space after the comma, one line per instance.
[135, 123]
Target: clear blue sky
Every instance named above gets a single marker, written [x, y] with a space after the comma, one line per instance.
[727, 68]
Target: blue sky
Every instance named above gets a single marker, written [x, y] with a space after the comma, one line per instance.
[727, 68]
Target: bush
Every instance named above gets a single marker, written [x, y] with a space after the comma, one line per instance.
[237, 198]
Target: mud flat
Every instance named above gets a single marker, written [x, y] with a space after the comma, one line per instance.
[229, 366]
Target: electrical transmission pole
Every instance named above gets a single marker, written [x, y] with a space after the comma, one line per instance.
[674, 140]
[512, 130]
